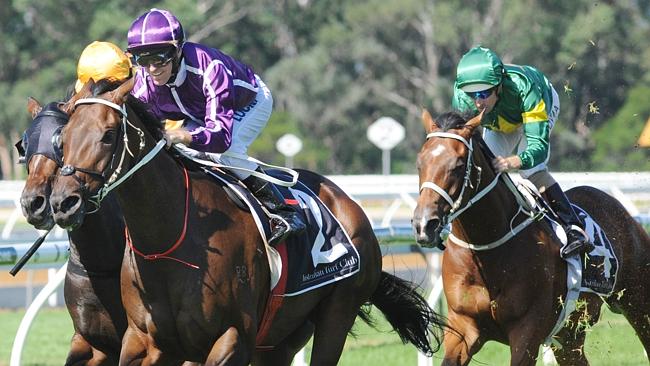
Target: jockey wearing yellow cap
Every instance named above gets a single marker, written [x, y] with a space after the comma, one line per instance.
[102, 60]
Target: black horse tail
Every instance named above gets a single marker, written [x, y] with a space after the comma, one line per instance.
[408, 313]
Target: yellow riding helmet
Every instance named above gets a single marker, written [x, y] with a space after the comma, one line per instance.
[102, 60]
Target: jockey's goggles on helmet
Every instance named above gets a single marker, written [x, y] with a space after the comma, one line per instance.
[483, 94]
[157, 58]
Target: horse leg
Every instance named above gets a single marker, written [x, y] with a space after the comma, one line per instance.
[461, 341]
[230, 349]
[572, 351]
[524, 345]
[283, 353]
[80, 351]
[572, 336]
[333, 320]
[635, 310]
[134, 350]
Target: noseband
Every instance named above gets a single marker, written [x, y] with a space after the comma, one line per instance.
[113, 181]
[457, 210]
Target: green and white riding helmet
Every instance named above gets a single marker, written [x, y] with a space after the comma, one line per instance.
[479, 69]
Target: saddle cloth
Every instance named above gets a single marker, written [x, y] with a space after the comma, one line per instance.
[594, 272]
[320, 255]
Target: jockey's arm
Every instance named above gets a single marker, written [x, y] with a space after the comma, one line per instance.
[215, 135]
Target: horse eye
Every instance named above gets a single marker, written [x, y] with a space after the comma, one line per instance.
[109, 137]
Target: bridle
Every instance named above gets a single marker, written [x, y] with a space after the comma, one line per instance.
[114, 179]
[457, 207]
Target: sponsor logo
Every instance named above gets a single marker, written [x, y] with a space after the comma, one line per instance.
[241, 113]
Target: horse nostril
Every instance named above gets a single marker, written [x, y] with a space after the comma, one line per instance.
[37, 204]
[432, 225]
[69, 203]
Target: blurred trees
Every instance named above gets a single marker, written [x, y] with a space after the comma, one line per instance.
[335, 66]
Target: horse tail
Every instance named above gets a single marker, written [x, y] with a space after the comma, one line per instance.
[407, 312]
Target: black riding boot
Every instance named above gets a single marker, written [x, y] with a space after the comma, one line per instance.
[577, 239]
[271, 197]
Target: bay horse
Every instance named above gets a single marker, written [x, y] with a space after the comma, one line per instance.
[202, 296]
[92, 280]
[512, 291]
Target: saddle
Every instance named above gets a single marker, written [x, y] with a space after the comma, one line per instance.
[596, 272]
[320, 255]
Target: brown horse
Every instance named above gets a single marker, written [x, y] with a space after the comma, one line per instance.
[513, 293]
[92, 281]
[203, 296]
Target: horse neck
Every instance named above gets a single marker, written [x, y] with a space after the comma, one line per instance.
[494, 210]
[98, 244]
[153, 199]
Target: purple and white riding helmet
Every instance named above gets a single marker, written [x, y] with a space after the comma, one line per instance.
[154, 29]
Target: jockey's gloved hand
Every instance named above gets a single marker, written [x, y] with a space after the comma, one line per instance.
[177, 136]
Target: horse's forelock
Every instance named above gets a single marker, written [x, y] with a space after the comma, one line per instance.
[103, 86]
[450, 120]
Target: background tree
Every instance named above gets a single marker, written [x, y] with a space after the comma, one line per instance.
[335, 66]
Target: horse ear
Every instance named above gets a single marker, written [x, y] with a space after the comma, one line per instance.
[476, 121]
[428, 122]
[33, 107]
[119, 95]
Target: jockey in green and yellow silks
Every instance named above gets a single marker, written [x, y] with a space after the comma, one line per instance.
[520, 108]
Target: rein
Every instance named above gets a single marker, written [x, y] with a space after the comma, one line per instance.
[457, 210]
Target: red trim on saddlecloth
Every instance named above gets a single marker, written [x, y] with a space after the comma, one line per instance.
[290, 201]
[276, 298]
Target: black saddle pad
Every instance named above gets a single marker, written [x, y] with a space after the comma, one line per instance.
[320, 255]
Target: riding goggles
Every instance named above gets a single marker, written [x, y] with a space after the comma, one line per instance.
[157, 58]
[483, 94]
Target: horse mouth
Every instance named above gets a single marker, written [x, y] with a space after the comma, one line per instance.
[36, 209]
[69, 212]
[40, 222]
[429, 235]
[430, 241]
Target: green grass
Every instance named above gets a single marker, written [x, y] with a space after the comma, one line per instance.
[610, 342]
[47, 342]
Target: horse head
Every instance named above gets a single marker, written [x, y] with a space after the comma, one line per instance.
[91, 140]
[40, 150]
[444, 166]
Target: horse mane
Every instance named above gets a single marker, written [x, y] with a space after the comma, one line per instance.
[452, 120]
[151, 123]
[103, 86]
[455, 120]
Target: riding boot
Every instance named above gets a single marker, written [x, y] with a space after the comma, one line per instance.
[269, 195]
[577, 239]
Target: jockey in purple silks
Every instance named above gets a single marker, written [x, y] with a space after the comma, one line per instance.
[223, 103]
